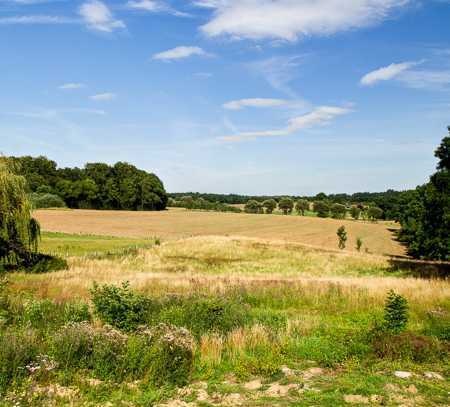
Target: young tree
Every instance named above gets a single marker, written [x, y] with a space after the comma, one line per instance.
[301, 206]
[355, 212]
[338, 211]
[359, 244]
[19, 232]
[342, 237]
[322, 208]
[374, 213]
[269, 205]
[252, 206]
[286, 205]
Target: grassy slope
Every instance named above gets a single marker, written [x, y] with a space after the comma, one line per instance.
[181, 223]
[321, 294]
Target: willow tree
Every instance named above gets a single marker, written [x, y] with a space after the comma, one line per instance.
[19, 232]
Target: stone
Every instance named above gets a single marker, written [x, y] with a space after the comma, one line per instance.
[356, 399]
[402, 375]
[412, 389]
[253, 385]
[433, 375]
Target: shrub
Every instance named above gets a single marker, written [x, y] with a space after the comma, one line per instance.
[253, 206]
[374, 213]
[395, 313]
[438, 324]
[407, 346]
[269, 205]
[170, 354]
[342, 237]
[301, 206]
[46, 200]
[355, 212]
[359, 244]
[18, 348]
[120, 307]
[338, 211]
[286, 205]
[322, 208]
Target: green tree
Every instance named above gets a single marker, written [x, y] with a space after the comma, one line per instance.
[322, 209]
[355, 212]
[19, 232]
[374, 213]
[342, 237]
[395, 312]
[253, 206]
[301, 206]
[338, 211]
[286, 205]
[359, 244]
[269, 205]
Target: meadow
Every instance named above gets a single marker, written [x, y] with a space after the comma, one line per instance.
[269, 322]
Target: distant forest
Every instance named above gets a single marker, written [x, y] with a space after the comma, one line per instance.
[96, 186]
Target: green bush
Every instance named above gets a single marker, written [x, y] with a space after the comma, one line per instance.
[408, 346]
[273, 319]
[395, 313]
[170, 354]
[438, 324]
[46, 200]
[121, 307]
[18, 348]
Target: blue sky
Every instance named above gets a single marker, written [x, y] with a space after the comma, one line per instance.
[243, 96]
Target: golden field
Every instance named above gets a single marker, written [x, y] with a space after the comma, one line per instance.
[180, 223]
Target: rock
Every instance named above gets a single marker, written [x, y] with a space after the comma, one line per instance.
[253, 385]
[392, 388]
[202, 395]
[177, 403]
[279, 390]
[233, 399]
[433, 375]
[402, 375]
[314, 371]
[412, 389]
[356, 399]
[287, 371]
[376, 399]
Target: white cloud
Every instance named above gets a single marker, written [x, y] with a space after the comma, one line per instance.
[291, 19]
[72, 86]
[36, 19]
[146, 5]
[426, 79]
[318, 117]
[255, 102]
[97, 16]
[179, 53]
[103, 97]
[386, 73]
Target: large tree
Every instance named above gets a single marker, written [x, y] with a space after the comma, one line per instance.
[426, 219]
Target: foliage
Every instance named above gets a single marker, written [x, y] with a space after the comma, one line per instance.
[121, 307]
[322, 208]
[301, 206]
[374, 213]
[253, 207]
[286, 205]
[338, 211]
[426, 218]
[355, 212]
[202, 204]
[269, 205]
[342, 237]
[359, 244]
[395, 312]
[96, 186]
[46, 200]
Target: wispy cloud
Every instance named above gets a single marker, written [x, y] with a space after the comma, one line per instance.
[254, 102]
[290, 19]
[154, 6]
[180, 53]
[72, 86]
[318, 117]
[386, 73]
[97, 16]
[36, 19]
[103, 97]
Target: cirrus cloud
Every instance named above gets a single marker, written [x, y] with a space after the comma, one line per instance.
[254, 102]
[103, 97]
[98, 17]
[386, 73]
[180, 52]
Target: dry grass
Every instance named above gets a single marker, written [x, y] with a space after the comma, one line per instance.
[179, 223]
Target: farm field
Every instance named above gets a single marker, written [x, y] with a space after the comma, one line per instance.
[180, 223]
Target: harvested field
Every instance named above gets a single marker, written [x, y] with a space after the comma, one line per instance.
[179, 223]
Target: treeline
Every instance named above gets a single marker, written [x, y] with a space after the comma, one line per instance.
[121, 186]
[189, 202]
[390, 202]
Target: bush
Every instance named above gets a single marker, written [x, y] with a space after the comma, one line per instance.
[342, 237]
[395, 313]
[407, 346]
[170, 354]
[355, 212]
[122, 308]
[17, 350]
[438, 324]
[338, 211]
[46, 200]
[322, 208]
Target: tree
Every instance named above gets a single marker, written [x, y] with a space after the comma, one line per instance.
[374, 213]
[338, 211]
[252, 206]
[301, 206]
[270, 205]
[322, 209]
[355, 212]
[426, 220]
[286, 205]
[342, 237]
[19, 232]
[359, 244]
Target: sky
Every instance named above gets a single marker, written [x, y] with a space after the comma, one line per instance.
[231, 96]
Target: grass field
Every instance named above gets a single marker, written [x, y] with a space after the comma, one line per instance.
[179, 223]
[292, 325]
